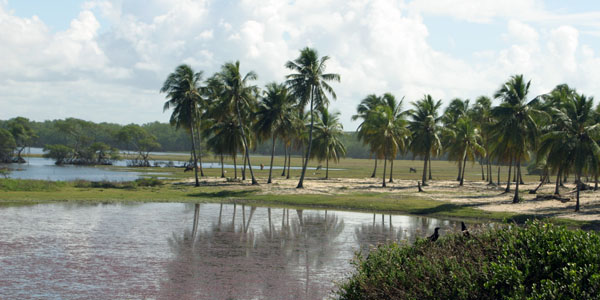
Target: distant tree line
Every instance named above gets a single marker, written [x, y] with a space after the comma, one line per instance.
[19, 133]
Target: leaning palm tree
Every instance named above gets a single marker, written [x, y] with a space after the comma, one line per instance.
[515, 126]
[573, 138]
[425, 130]
[327, 143]
[309, 84]
[184, 96]
[239, 94]
[367, 106]
[273, 117]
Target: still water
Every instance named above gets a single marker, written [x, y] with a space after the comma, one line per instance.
[186, 251]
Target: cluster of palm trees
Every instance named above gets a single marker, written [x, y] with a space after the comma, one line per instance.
[232, 115]
[557, 133]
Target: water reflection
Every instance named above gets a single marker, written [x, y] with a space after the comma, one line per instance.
[229, 260]
[186, 251]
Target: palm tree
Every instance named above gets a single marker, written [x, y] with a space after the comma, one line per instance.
[398, 126]
[225, 139]
[480, 114]
[455, 110]
[425, 130]
[273, 116]
[308, 83]
[573, 138]
[466, 136]
[367, 106]
[239, 94]
[327, 143]
[184, 96]
[515, 127]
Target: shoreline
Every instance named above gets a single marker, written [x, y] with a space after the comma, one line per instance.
[475, 201]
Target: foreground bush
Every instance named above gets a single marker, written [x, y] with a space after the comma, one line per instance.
[537, 261]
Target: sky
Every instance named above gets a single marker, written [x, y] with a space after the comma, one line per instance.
[106, 60]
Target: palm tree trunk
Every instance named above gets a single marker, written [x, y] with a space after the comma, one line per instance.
[284, 158]
[235, 165]
[482, 172]
[544, 178]
[194, 154]
[558, 175]
[578, 189]
[498, 175]
[237, 106]
[289, 162]
[391, 169]
[199, 149]
[508, 180]
[272, 155]
[462, 176]
[310, 131]
[518, 171]
[327, 167]
[374, 169]
[459, 170]
[222, 167]
[430, 178]
[424, 178]
[244, 168]
[384, 168]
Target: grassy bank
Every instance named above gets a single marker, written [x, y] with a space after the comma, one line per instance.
[151, 190]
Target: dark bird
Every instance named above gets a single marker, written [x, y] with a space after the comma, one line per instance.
[463, 228]
[435, 235]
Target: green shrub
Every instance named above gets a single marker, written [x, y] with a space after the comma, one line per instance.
[118, 185]
[537, 261]
[149, 181]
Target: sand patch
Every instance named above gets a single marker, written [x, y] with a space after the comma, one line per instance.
[474, 193]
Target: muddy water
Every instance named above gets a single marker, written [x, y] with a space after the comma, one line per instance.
[186, 251]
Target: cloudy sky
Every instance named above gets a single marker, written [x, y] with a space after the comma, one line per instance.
[106, 60]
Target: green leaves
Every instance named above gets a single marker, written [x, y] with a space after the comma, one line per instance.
[536, 261]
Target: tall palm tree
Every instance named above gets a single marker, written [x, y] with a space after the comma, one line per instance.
[455, 110]
[573, 138]
[466, 136]
[515, 125]
[239, 94]
[425, 130]
[308, 83]
[481, 115]
[182, 89]
[274, 116]
[327, 143]
[367, 106]
[399, 124]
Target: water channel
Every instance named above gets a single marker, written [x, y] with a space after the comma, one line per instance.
[187, 251]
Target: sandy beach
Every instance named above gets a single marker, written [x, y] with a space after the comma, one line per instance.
[476, 194]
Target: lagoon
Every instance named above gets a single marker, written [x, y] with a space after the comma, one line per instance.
[187, 251]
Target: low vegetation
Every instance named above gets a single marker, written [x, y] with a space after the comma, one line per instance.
[535, 261]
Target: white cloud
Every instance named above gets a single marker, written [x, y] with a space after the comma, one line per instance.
[376, 46]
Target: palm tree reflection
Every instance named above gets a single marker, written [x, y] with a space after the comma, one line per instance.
[224, 260]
